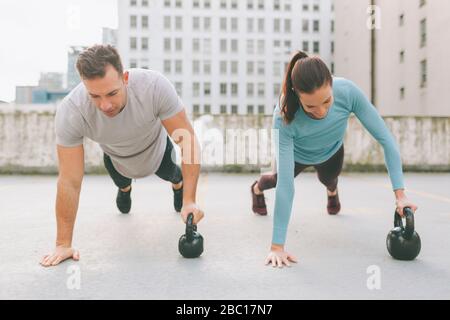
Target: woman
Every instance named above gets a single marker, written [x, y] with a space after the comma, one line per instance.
[311, 120]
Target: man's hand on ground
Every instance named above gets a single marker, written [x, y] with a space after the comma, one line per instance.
[59, 255]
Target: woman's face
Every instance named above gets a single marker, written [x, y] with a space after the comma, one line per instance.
[317, 104]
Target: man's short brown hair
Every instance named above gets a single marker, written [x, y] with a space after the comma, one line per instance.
[93, 61]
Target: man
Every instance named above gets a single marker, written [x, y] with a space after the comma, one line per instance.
[131, 115]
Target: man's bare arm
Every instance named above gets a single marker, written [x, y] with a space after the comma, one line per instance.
[71, 172]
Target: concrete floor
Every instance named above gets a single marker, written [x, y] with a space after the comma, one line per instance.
[136, 256]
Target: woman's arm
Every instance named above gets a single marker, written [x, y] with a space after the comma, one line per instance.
[372, 121]
[284, 194]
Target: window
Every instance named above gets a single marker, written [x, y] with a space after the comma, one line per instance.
[277, 68]
[223, 45]
[316, 47]
[207, 89]
[422, 3]
[287, 26]
[223, 24]
[133, 63]
[402, 56]
[179, 88]
[250, 89]
[423, 33]
[250, 67]
[234, 4]
[261, 25]
[261, 68]
[196, 109]
[234, 24]
[207, 24]
[276, 5]
[332, 47]
[195, 67]
[133, 43]
[250, 46]
[261, 90]
[167, 22]
[196, 89]
[234, 67]
[401, 20]
[207, 67]
[402, 93]
[178, 3]
[178, 23]
[305, 25]
[316, 26]
[250, 24]
[276, 90]
[133, 22]
[179, 44]
[196, 45]
[250, 4]
[207, 4]
[261, 4]
[261, 46]
[133, 3]
[223, 4]
[207, 109]
[144, 22]
[207, 46]
[287, 5]
[250, 110]
[167, 44]
[234, 89]
[223, 89]
[145, 3]
[423, 73]
[196, 23]
[276, 25]
[167, 66]
[261, 109]
[234, 46]
[223, 109]
[178, 66]
[196, 3]
[167, 3]
[144, 43]
[223, 67]
[305, 46]
[234, 109]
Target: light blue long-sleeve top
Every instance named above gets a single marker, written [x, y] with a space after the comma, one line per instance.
[309, 141]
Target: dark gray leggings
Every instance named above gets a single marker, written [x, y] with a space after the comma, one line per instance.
[328, 173]
[168, 170]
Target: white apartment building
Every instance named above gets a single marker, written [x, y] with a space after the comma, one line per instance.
[411, 53]
[224, 56]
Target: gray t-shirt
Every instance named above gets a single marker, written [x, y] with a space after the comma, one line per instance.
[135, 139]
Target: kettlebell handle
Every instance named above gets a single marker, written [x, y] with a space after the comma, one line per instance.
[190, 227]
[409, 228]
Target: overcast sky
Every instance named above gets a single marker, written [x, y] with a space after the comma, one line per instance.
[36, 34]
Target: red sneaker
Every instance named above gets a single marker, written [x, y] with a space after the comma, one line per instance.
[334, 205]
[258, 202]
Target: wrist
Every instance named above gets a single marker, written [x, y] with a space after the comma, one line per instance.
[64, 244]
[400, 194]
[277, 247]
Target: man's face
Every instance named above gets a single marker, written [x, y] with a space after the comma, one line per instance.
[109, 93]
[318, 104]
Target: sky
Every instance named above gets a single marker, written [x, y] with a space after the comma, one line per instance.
[35, 36]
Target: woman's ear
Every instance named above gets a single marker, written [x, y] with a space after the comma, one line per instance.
[126, 75]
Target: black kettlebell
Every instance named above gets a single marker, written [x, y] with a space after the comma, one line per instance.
[403, 243]
[191, 243]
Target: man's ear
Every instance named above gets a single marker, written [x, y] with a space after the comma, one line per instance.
[126, 75]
